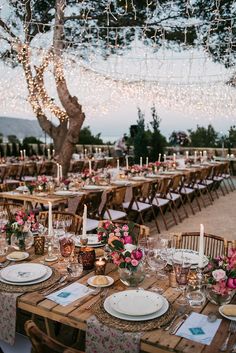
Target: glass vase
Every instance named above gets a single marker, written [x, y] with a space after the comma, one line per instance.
[132, 278]
[22, 241]
[218, 299]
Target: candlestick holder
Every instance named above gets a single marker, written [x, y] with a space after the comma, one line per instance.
[87, 256]
[100, 267]
[50, 254]
[39, 242]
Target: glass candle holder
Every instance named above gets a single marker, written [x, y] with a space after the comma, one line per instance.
[88, 257]
[39, 242]
[100, 267]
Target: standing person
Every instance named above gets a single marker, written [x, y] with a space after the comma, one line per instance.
[120, 146]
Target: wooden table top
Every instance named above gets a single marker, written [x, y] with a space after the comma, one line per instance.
[156, 341]
[40, 198]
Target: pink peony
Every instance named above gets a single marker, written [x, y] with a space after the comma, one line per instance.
[231, 283]
[137, 254]
[219, 275]
[128, 240]
[128, 260]
[126, 234]
[134, 262]
[125, 228]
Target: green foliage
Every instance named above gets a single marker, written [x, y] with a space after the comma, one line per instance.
[31, 140]
[1, 137]
[232, 136]
[140, 140]
[87, 138]
[203, 137]
[179, 138]
[13, 139]
[158, 141]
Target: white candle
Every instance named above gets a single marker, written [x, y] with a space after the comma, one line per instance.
[141, 162]
[24, 153]
[164, 158]
[159, 157]
[127, 162]
[195, 156]
[227, 155]
[84, 222]
[100, 150]
[53, 153]
[200, 154]
[85, 152]
[50, 229]
[186, 154]
[49, 154]
[90, 166]
[146, 160]
[201, 246]
[21, 154]
[60, 171]
[96, 150]
[174, 157]
[118, 163]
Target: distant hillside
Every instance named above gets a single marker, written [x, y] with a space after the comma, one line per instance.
[20, 127]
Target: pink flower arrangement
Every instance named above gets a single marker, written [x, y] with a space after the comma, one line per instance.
[223, 273]
[122, 243]
[22, 223]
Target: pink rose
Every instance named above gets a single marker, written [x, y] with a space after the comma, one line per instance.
[128, 240]
[128, 260]
[137, 254]
[125, 228]
[126, 234]
[231, 283]
[219, 275]
[134, 262]
[117, 230]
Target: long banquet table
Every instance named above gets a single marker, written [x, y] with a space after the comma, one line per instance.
[156, 341]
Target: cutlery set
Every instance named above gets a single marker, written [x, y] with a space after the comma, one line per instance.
[231, 330]
[172, 326]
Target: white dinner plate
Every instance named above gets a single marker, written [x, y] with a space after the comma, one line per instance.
[39, 280]
[91, 187]
[121, 182]
[90, 282]
[136, 302]
[111, 311]
[25, 255]
[23, 272]
[191, 255]
[233, 318]
[92, 241]
[64, 193]
[138, 178]
[151, 176]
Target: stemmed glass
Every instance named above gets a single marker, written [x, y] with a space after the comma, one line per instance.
[182, 268]
[67, 246]
[156, 262]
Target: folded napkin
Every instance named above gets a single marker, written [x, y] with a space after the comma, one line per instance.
[104, 339]
[69, 294]
[229, 310]
[8, 303]
[197, 328]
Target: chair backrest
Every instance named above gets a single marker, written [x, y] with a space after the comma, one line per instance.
[117, 197]
[213, 244]
[44, 344]
[74, 220]
[93, 201]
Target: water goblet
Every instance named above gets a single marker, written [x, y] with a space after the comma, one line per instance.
[182, 268]
[156, 263]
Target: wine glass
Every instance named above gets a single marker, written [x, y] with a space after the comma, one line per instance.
[67, 246]
[182, 268]
[156, 263]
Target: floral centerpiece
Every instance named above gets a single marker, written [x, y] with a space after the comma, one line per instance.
[125, 254]
[90, 178]
[18, 231]
[222, 278]
[32, 186]
[42, 182]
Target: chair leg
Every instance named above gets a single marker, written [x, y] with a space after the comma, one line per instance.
[225, 185]
[155, 220]
[190, 204]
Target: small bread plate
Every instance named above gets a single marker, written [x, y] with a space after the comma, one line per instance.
[233, 318]
[17, 256]
[91, 279]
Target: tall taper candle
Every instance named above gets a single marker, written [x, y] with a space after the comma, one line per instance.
[201, 246]
[84, 236]
[50, 229]
[90, 166]
[118, 163]
[127, 162]
[141, 162]
[146, 160]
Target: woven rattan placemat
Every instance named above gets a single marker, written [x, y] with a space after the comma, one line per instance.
[31, 287]
[132, 326]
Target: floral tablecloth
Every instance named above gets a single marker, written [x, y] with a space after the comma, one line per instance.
[104, 339]
[8, 316]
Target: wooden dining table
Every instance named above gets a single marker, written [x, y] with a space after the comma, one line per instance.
[76, 314]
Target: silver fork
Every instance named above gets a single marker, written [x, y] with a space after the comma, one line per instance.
[102, 296]
[232, 329]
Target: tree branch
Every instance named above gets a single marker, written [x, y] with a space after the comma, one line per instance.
[7, 29]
